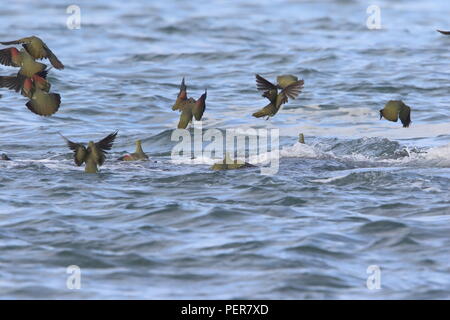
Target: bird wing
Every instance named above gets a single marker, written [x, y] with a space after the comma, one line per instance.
[199, 108]
[405, 115]
[14, 83]
[291, 91]
[444, 32]
[107, 142]
[6, 58]
[183, 91]
[47, 53]
[79, 151]
[8, 82]
[19, 41]
[263, 84]
[185, 117]
[104, 145]
[43, 73]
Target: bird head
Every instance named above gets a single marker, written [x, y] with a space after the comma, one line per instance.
[381, 114]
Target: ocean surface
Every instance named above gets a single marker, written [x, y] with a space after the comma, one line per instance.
[362, 194]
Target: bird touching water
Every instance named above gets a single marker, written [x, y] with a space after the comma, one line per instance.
[5, 157]
[189, 107]
[290, 88]
[94, 155]
[229, 164]
[139, 154]
[395, 109]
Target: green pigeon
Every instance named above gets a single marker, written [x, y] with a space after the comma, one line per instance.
[139, 154]
[395, 109]
[301, 138]
[41, 102]
[444, 32]
[37, 49]
[5, 157]
[39, 80]
[28, 68]
[94, 155]
[289, 86]
[229, 164]
[36, 89]
[189, 107]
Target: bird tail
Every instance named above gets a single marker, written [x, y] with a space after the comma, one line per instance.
[261, 113]
[55, 61]
[47, 106]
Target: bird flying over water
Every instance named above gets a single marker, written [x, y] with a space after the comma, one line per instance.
[189, 107]
[37, 49]
[395, 109]
[139, 154]
[43, 103]
[36, 89]
[444, 32]
[28, 68]
[290, 88]
[94, 155]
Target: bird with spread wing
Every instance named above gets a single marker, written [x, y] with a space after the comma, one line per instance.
[189, 107]
[94, 155]
[289, 86]
[37, 49]
[395, 109]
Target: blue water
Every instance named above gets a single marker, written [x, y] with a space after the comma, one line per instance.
[360, 192]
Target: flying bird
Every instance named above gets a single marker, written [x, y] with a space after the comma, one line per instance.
[94, 155]
[28, 68]
[395, 109]
[189, 107]
[444, 32]
[37, 49]
[139, 154]
[290, 88]
[36, 88]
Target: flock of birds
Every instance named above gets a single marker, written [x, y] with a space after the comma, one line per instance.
[31, 81]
